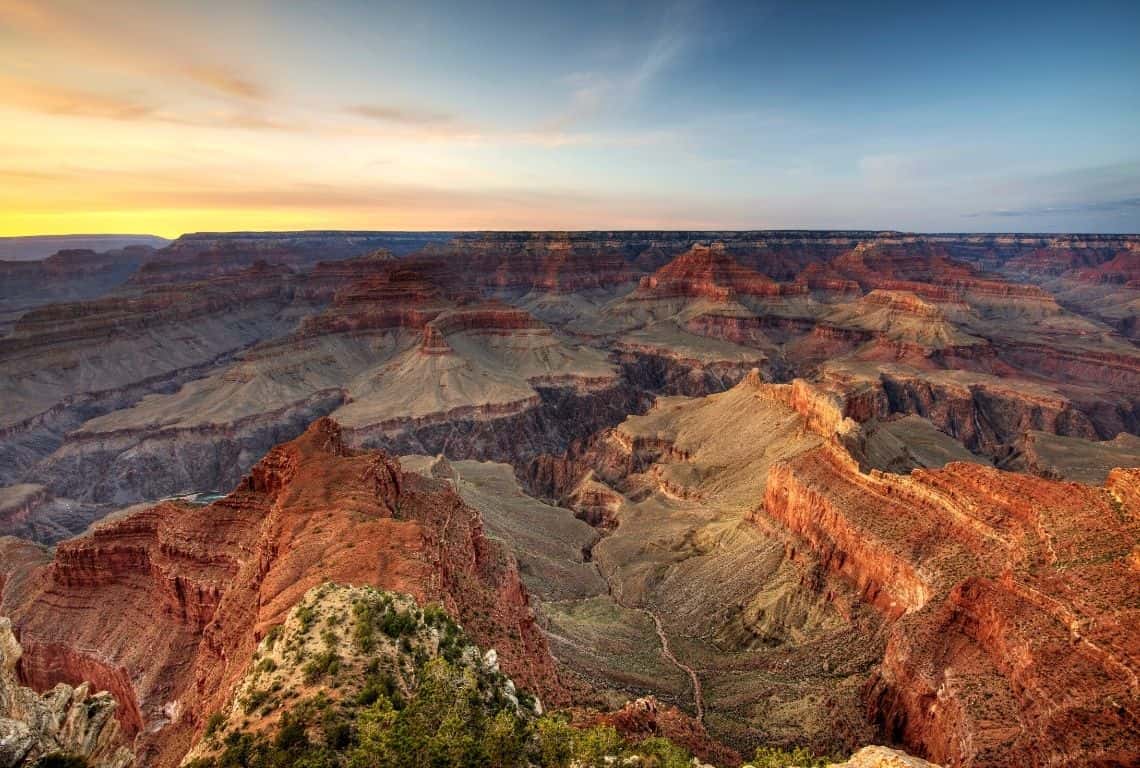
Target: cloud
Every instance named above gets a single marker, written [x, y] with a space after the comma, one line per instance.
[218, 188]
[593, 91]
[1103, 190]
[1123, 206]
[27, 174]
[61, 100]
[401, 115]
[108, 40]
[226, 81]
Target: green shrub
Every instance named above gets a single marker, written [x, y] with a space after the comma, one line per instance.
[215, 722]
[593, 745]
[253, 700]
[555, 740]
[326, 662]
[774, 757]
[398, 623]
[272, 636]
[306, 615]
[454, 717]
[658, 752]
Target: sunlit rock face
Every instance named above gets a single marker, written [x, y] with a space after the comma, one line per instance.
[977, 595]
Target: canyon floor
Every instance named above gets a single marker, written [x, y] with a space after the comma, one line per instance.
[805, 489]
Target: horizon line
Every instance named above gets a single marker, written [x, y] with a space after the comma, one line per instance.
[599, 230]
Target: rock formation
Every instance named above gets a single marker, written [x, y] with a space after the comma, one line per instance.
[163, 607]
[646, 717]
[63, 721]
[1007, 601]
[882, 757]
[504, 346]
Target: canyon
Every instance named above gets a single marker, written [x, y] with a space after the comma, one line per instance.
[742, 489]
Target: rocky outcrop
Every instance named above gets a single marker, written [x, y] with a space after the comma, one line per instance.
[924, 267]
[553, 420]
[883, 576]
[67, 363]
[143, 462]
[882, 757]
[33, 512]
[647, 717]
[988, 414]
[661, 371]
[415, 353]
[1006, 647]
[64, 721]
[709, 272]
[403, 361]
[1006, 602]
[167, 604]
[349, 622]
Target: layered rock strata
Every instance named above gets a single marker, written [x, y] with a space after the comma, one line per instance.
[163, 607]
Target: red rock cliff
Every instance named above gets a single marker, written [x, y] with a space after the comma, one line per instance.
[165, 606]
[1015, 604]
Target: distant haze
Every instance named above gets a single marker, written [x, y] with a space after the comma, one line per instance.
[38, 247]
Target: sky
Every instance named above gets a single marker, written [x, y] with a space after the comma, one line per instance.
[167, 117]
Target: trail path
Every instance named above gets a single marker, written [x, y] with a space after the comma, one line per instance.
[694, 679]
[698, 698]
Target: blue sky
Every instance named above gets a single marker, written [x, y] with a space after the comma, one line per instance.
[171, 117]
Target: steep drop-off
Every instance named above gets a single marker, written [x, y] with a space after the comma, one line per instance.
[163, 607]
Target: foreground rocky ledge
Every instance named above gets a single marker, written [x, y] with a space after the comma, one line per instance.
[63, 721]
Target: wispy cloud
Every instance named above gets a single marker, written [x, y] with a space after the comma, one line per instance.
[1105, 190]
[225, 81]
[1130, 205]
[593, 91]
[402, 115]
[106, 41]
[61, 100]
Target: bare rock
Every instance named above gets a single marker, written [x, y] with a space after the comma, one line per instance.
[64, 720]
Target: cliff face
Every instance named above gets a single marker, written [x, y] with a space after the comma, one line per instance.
[64, 364]
[1006, 603]
[163, 607]
[959, 586]
[74, 273]
[506, 345]
[507, 264]
[1014, 640]
[65, 720]
[708, 271]
[398, 356]
[205, 255]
